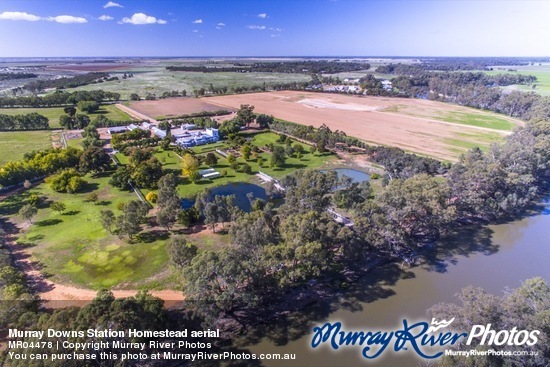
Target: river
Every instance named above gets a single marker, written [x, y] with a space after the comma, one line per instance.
[492, 257]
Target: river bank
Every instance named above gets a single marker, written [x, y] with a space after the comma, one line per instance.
[493, 257]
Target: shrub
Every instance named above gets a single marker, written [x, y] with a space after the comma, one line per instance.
[151, 197]
[67, 181]
[92, 197]
[245, 168]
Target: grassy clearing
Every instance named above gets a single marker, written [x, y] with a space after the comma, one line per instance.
[53, 113]
[75, 143]
[74, 247]
[112, 113]
[478, 119]
[15, 144]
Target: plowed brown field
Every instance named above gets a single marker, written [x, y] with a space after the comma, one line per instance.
[414, 125]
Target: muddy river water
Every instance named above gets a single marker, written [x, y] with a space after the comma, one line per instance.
[492, 257]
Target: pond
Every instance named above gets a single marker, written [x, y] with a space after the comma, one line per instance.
[355, 175]
[239, 189]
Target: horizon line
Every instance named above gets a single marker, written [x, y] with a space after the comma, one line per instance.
[276, 56]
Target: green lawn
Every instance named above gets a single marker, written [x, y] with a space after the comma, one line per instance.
[292, 164]
[53, 113]
[74, 247]
[112, 113]
[491, 121]
[75, 143]
[171, 161]
[14, 144]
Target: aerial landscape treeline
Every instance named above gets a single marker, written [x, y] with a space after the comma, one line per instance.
[288, 252]
[275, 252]
[58, 98]
[62, 83]
[306, 67]
[31, 121]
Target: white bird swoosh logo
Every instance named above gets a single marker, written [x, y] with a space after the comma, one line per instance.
[439, 325]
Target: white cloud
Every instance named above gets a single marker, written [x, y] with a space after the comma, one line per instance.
[67, 19]
[17, 15]
[141, 18]
[105, 17]
[255, 26]
[221, 24]
[275, 35]
[112, 4]
[262, 15]
[195, 30]
[197, 21]
[277, 29]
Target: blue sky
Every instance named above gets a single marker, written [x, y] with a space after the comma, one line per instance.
[34, 28]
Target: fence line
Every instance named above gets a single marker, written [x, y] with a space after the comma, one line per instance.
[139, 194]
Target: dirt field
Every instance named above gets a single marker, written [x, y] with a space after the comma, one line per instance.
[431, 128]
[175, 106]
[414, 125]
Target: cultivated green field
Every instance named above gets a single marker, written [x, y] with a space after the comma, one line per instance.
[73, 246]
[542, 72]
[483, 140]
[14, 144]
[477, 118]
[157, 80]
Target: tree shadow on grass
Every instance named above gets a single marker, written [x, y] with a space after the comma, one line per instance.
[48, 222]
[172, 170]
[152, 236]
[71, 212]
[25, 244]
[89, 187]
[12, 204]
[103, 202]
[37, 237]
[102, 174]
[295, 165]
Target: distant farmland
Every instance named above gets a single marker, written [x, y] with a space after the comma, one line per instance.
[171, 107]
[436, 129]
